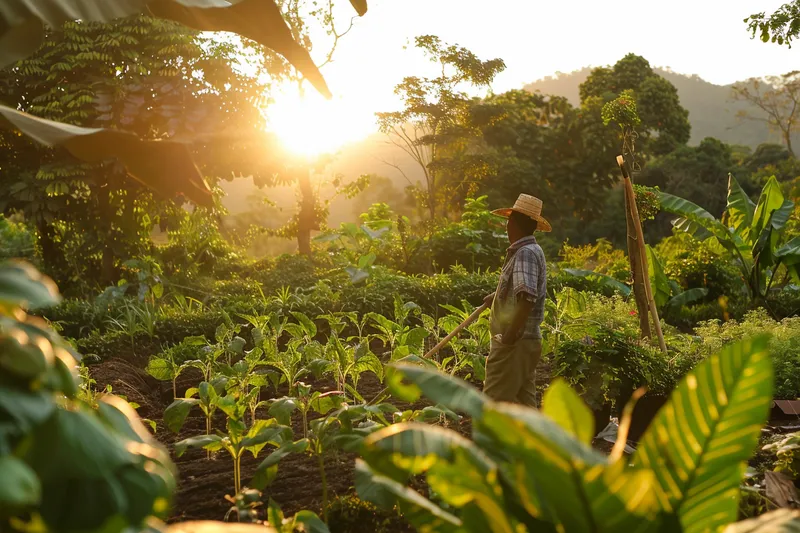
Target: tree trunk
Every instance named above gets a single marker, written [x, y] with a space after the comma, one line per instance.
[787, 137]
[107, 270]
[305, 218]
[639, 291]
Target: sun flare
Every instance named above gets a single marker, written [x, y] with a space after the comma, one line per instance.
[310, 125]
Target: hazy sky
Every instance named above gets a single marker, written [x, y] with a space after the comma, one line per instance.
[536, 39]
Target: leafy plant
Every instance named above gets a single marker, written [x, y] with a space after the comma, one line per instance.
[535, 470]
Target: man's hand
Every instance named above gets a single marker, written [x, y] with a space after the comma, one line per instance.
[487, 301]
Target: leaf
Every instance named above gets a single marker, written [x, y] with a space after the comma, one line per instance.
[360, 6]
[700, 440]
[267, 470]
[694, 219]
[686, 297]
[565, 408]
[660, 283]
[789, 253]
[175, 414]
[449, 391]
[164, 166]
[777, 521]
[22, 285]
[161, 368]
[740, 209]
[20, 488]
[386, 493]
[369, 363]
[237, 345]
[366, 261]
[311, 522]
[308, 325]
[564, 480]
[209, 442]
[770, 200]
[282, 410]
[263, 433]
[606, 281]
[357, 275]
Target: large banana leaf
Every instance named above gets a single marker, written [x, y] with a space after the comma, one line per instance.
[658, 280]
[22, 24]
[557, 476]
[771, 200]
[567, 409]
[694, 219]
[164, 166]
[419, 511]
[686, 297]
[740, 209]
[699, 442]
[442, 389]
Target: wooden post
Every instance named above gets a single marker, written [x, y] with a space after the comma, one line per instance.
[642, 254]
[639, 293]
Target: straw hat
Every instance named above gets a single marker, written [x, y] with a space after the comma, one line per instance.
[529, 206]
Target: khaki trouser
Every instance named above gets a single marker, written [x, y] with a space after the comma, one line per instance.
[511, 371]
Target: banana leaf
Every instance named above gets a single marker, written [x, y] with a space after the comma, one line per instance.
[771, 199]
[658, 280]
[700, 441]
[693, 219]
[686, 297]
[22, 24]
[740, 209]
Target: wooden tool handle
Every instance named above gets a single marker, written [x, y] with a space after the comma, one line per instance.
[470, 319]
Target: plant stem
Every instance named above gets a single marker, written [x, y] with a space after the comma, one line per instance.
[324, 487]
[237, 473]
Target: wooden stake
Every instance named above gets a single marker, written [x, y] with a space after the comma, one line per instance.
[642, 252]
[470, 319]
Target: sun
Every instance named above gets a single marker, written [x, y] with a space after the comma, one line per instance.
[310, 125]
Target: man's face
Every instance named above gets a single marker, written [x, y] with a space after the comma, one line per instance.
[511, 229]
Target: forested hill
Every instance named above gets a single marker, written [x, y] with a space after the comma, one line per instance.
[711, 110]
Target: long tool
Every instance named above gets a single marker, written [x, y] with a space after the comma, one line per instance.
[469, 320]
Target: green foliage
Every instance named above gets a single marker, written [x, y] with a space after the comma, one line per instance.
[622, 111]
[780, 27]
[56, 447]
[16, 239]
[525, 469]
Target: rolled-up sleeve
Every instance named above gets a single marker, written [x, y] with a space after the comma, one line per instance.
[525, 276]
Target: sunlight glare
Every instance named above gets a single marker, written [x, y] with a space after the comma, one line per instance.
[311, 126]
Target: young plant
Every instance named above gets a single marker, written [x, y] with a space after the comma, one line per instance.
[401, 338]
[166, 366]
[238, 438]
[208, 399]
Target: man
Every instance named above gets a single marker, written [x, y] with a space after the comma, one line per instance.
[518, 307]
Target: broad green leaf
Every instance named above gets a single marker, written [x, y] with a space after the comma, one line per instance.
[659, 282]
[161, 368]
[357, 275]
[175, 414]
[209, 442]
[282, 410]
[694, 219]
[565, 408]
[560, 477]
[22, 285]
[607, 281]
[308, 325]
[789, 253]
[369, 363]
[771, 200]
[700, 440]
[265, 432]
[366, 261]
[449, 391]
[237, 345]
[268, 468]
[687, 297]
[311, 522]
[777, 521]
[20, 488]
[419, 511]
[740, 209]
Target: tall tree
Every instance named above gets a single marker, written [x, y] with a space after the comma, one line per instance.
[434, 126]
[777, 98]
[665, 123]
[151, 77]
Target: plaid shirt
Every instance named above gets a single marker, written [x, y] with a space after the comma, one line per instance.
[524, 275]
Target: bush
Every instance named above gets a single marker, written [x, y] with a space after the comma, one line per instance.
[16, 240]
[784, 345]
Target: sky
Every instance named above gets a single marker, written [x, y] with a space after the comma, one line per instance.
[535, 39]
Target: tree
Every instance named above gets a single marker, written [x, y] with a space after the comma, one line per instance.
[664, 122]
[543, 144]
[434, 126]
[173, 83]
[780, 27]
[777, 97]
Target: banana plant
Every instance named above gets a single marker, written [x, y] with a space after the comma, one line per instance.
[752, 234]
[238, 438]
[533, 470]
[666, 292]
